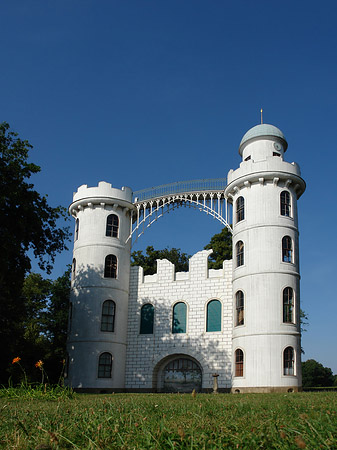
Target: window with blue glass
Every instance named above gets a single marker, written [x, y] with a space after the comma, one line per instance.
[287, 249]
[179, 318]
[146, 319]
[213, 322]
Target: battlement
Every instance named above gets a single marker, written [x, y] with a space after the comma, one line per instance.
[198, 269]
[102, 194]
[103, 189]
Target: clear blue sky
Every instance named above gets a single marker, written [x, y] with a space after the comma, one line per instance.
[146, 92]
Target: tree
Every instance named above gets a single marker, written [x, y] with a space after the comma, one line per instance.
[44, 325]
[315, 375]
[149, 260]
[55, 321]
[28, 222]
[221, 244]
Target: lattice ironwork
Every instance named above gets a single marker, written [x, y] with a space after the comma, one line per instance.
[204, 195]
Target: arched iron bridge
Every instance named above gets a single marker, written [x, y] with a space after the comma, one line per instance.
[206, 195]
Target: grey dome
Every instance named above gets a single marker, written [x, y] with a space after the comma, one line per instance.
[263, 130]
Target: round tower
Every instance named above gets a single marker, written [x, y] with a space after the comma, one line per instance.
[100, 287]
[266, 291]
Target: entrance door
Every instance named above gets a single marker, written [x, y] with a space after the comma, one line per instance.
[182, 375]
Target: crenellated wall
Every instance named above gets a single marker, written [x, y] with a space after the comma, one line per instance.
[147, 354]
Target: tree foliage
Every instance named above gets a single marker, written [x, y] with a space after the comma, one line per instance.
[149, 260]
[221, 244]
[28, 223]
[315, 374]
[44, 325]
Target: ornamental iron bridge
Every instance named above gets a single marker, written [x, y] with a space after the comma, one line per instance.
[205, 195]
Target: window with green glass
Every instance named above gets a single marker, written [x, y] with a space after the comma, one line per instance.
[213, 322]
[146, 319]
[179, 318]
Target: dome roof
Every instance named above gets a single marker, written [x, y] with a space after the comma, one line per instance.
[263, 130]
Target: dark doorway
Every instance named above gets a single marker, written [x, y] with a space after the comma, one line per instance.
[182, 375]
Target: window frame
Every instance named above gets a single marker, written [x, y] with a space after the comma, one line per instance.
[73, 270]
[142, 327]
[285, 204]
[110, 268]
[112, 229]
[288, 363]
[102, 366]
[208, 324]
[77, 229]
[240, 253]
[239, 308]
[105, 318]
[287, 250]
[174, 330]
[288, 305]
[240, 209]
[239, 359]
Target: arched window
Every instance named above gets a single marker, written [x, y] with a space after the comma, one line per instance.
[288, 305]
[104, 365]
[285, 203]
[239, 363]
[146, 319]
[213, 321]
[110, 267]
[240, 209]
[179, 318]
[108, 316]
[77, 228]
[288, 361]
[112, 223]
[73, 269]
[239, 253]
[287, 252]
[239, 297]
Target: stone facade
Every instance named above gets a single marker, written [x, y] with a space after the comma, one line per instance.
[147, 354]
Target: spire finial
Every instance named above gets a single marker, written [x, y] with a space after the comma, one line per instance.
[261, 115]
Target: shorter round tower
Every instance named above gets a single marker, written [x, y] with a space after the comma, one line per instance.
[100, 287]
[266, 279]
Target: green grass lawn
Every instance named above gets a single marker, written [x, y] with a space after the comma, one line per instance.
[171, 421]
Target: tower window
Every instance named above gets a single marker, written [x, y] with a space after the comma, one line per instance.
[239, 363]
[110, 267]
[239, 253]
[288, 305]
[285, 203]
[248, 158]
[146, 319]
[287, 252]
[288, 361]
[108, 316]
[240, 209]
[213, 320]
[276, 154]
[112, 223]
[77, 227]
[105, 365]
[239, 297]
[179, 318]
[73, 269]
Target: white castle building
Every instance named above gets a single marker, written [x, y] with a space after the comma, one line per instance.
[175, 331]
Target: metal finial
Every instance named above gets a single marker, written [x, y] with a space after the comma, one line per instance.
[261, 115]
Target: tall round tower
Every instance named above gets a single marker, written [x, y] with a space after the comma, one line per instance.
[266, 330]
[100, 287]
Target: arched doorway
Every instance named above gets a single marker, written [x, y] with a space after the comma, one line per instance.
[181, 374]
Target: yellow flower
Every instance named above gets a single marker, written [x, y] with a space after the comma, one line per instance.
[39, 364]
[16, 360]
